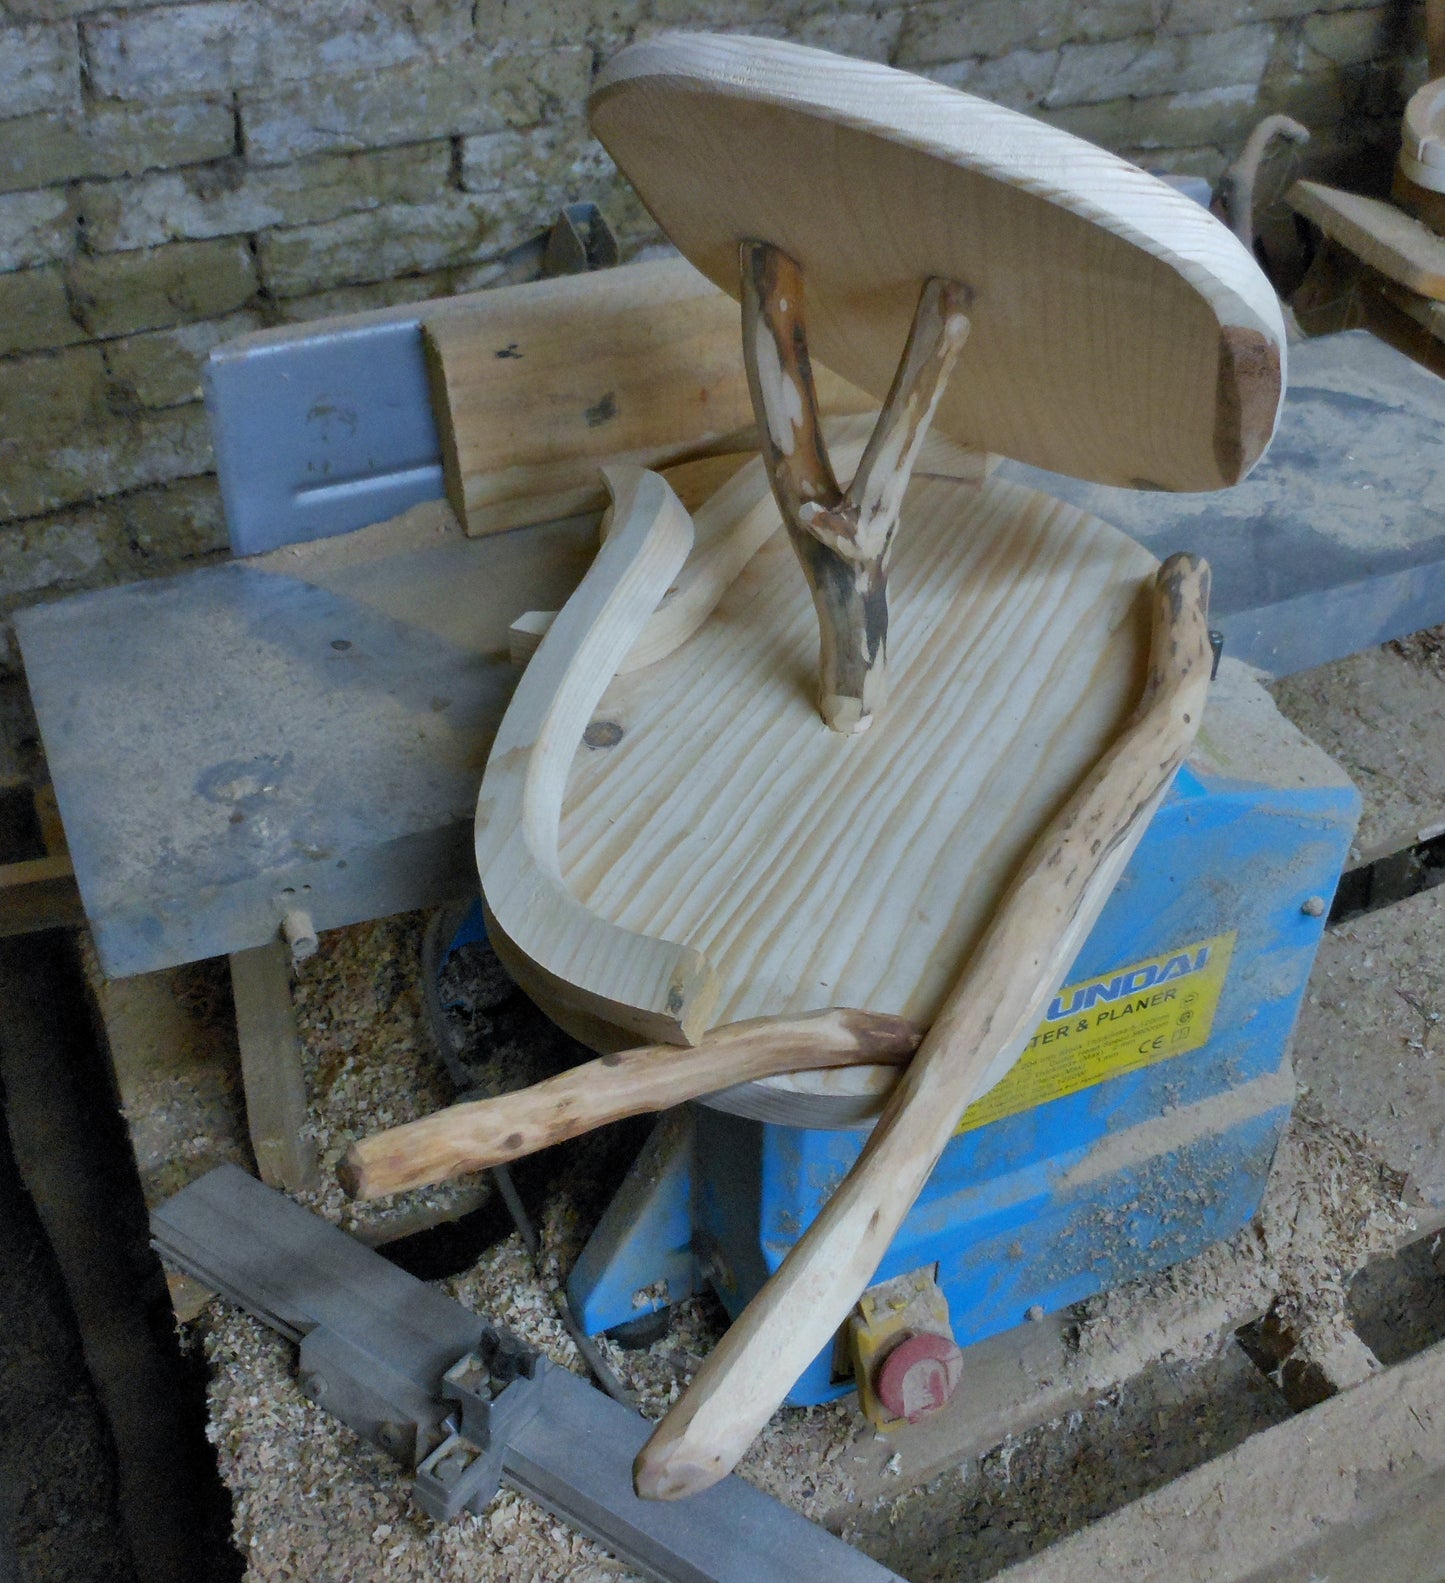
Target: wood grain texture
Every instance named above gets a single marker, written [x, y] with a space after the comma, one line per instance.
[671, 988]
[987, 1018]
[1100, 295]
[729, 528]
[534, 387]
[271, 1067]
[1377, 233]
[473, 1136]
[811, 869]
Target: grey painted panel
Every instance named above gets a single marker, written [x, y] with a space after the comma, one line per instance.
[320, 432]
[221, 737]
[1336, 541]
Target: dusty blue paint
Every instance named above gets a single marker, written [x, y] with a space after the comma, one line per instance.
[1005, 1234]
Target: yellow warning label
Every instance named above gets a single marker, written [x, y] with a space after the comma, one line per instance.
[1116, 1023]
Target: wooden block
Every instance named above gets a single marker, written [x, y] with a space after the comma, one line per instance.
[39, 893]
[1378, 233]
[271, 1066]
[535, 387]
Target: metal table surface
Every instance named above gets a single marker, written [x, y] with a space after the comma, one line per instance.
[312, 723]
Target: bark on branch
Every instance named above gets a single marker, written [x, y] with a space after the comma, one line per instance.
[842, 537]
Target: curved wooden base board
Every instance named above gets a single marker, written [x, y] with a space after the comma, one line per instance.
[814, 870]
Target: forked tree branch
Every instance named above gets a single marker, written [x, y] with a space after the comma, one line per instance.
[842, 538]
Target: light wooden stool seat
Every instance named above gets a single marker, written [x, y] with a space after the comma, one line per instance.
[813, 869]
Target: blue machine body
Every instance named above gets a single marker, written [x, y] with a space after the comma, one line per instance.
[1076, 1193]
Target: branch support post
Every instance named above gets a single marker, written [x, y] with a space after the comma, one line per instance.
[842, 537]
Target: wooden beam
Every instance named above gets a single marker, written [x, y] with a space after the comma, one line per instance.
[271, 1066]
[39, 893]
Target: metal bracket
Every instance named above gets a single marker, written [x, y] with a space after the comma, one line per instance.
[467, 1404]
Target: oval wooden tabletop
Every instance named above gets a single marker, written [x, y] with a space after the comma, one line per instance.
[1119, 332]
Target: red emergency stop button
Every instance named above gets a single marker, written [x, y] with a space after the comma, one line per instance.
[919, 1375]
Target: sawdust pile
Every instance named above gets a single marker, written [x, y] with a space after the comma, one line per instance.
[311, 1500]
[314, 1502]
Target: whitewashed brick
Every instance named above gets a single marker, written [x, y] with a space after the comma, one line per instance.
[1207, 16]
[563, 161]
[365, 297]
[399, 240]
[37, 150]
[39, 68]
[106, 459]
[1180, 63]
[229, 199]
[34, 312]
[163, 368]
[178, 522]
[866, 35]
[35, 228]
[467, 93]
[1350, 38]
[559, 21]
[1018, 80]
[66, 549]
[945, 31]
[177, 51]
[52, 393]
[118, 293]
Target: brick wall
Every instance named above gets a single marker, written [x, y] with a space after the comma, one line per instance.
[174, 174]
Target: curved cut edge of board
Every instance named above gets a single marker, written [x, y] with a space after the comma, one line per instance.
[670, 991]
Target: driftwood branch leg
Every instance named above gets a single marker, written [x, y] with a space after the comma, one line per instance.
[984, 1023]
[842, 537]
[487, 1132]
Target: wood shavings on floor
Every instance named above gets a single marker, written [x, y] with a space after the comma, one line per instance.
[369, 1063]
[313, 1502]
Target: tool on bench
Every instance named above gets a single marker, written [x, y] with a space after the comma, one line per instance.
[465, 1405]
[713, 856]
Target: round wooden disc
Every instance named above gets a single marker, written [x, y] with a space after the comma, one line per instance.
[1120, 333]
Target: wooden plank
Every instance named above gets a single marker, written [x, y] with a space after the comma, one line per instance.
[536, 387]
[1348, 1490]
[1007, 607]
[271, 1066]
[1378, 233]
[39, 893]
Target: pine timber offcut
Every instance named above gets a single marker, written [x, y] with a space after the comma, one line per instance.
[1378, 234]
[536, 387]
[271, 1066]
